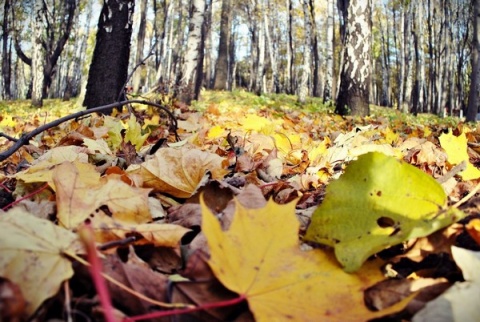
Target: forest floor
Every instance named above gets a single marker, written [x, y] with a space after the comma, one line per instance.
[251, 208]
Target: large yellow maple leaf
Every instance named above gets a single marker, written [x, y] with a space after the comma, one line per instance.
[259, 257]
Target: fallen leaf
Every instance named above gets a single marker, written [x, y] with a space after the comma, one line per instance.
[80, 191]
[32, 255]
[456, 148]
[378, 202]
[179, 171]
[134, 133]
[459, 302]
[473, 228]
[259, 257]
[108, 229]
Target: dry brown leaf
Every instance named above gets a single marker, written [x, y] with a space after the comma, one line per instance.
[179, 172]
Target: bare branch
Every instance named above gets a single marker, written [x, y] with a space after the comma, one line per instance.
[25, 138]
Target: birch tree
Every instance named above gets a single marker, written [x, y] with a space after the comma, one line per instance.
[305, 76]
[38, 54]
[356, 68]
[189, 69]
[329, 66]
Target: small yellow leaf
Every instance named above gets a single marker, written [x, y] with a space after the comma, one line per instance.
[215, 132]
[134, 133]
[32, 255]
[456, 148]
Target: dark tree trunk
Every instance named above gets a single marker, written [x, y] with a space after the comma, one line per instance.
[7, 58]
[355, 76]
[109, 69]
[475, 76]
[221, 67]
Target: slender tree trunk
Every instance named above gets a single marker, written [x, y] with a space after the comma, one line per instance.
[385, 59]
[408, 47]
[356, 69]
[317, 71]
[38, 55]
[419, 86]
[329, 66]
[272, 55]
[259, 78]
[140, 39]
[221, 67]
[6, 57]
[475, 76]
[194, 47]
[305, 76]
[289, 67]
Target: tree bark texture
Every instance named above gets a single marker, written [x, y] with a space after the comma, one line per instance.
[356, 69]
[38, 54]
[221, 67]
[187, 83]
[109, 68]
[475, 76]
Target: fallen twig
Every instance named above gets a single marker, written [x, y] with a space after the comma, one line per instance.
[25, 138]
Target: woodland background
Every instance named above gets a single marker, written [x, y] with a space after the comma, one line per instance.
[420, 60]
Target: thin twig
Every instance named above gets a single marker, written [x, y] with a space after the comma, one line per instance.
[25, 138]
[150, 53]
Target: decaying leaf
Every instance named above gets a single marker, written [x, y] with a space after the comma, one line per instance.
[259, 257]
[32, 255]
[378, 202]
[108, 229]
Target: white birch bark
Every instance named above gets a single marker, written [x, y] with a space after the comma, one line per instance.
[197, 17]
[305, 76]
[38, 55]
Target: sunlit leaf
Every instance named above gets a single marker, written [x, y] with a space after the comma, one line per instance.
[378, 202]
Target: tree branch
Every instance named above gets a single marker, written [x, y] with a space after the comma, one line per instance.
[25, 138]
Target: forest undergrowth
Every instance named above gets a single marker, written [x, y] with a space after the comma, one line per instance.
[240, 208]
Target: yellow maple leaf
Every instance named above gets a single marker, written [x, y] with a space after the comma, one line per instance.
[32, 255]
[80, 191]
[259, 258]
[456, 148]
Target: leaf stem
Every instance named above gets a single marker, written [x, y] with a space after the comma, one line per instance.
[207, 306]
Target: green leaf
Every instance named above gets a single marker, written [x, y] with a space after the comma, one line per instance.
[378, 202]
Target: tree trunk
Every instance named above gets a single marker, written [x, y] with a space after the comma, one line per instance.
[356, 68]
[109, 68]
[194, 45]
[6, 57]
[221, 67]
[289, 67]
[327, 89]
[305, 76]
[38, 55]
[140, 39]
[475, 76]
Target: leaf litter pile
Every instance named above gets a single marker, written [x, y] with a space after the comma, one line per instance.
[254, 210]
